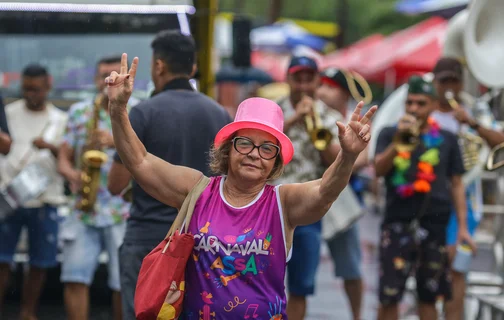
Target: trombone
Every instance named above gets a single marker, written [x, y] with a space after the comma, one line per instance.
[470, 143]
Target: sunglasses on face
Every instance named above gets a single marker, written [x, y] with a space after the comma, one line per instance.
[420, 103]
[245, 146]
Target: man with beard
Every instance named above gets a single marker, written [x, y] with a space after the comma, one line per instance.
[422, 167]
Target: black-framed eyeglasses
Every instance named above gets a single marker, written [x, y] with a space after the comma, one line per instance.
[245, 146]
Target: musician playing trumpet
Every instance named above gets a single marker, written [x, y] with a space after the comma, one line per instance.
[422, 166]
[306, 165]
[309, 123]
[458, 112]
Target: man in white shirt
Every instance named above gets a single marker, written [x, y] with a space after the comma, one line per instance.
[36, 127]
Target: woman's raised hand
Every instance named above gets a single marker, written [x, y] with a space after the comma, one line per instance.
[355, 136]
[120, 85]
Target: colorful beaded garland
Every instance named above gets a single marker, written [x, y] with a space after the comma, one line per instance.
[425, 174]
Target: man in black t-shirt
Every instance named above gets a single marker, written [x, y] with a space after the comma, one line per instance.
[178, 125]
[422, 166]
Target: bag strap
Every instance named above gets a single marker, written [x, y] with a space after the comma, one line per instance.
[187, 208]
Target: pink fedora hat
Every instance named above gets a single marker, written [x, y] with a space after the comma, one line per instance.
[261, 114]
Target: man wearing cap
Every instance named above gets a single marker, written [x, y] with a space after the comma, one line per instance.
[303, 80]
[467, 115]
[308, 164]
[344, 247]
[422, 166]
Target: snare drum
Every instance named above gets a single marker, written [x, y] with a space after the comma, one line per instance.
[29, 184]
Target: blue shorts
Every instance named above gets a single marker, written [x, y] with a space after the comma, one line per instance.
[452, 229]
[346, 254]
[82, 246]
[42, 226]
[302, 267]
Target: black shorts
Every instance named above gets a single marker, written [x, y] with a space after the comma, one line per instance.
[401, 257]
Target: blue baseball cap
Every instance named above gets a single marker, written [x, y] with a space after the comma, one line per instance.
[302, 63]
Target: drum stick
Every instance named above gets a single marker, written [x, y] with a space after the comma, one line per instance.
[29, 153]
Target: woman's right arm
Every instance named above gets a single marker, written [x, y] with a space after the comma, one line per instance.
[167, 183]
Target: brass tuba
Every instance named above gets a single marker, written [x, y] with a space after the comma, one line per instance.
[474, 36]
[92, 160]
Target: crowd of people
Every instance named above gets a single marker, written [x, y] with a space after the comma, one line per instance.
[273, 188]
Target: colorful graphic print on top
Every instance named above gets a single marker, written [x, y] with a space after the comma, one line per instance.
[237, 268]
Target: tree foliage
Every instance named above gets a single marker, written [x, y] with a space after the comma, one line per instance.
[365, 16]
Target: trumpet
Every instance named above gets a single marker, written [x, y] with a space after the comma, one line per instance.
[321, 137]
[408, 140]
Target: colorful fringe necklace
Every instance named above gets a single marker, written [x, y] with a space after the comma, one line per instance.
[425, 174]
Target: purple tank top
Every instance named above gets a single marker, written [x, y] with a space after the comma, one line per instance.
[237, 269]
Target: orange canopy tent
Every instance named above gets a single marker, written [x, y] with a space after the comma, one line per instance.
[353, 56]
[406, 52]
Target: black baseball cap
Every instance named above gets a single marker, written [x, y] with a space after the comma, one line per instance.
[336, 78]
[448, 68]
[301, 64]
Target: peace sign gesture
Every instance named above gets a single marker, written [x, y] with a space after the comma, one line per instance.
[355, 136]
[120, 85]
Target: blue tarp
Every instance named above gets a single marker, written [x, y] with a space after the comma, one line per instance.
[284, 37]
[445, 8]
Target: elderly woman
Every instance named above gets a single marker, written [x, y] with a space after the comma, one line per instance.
[243, 227]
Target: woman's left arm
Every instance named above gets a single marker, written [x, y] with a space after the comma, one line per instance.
[306, 203]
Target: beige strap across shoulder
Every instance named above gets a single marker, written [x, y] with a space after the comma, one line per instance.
[186, 211]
